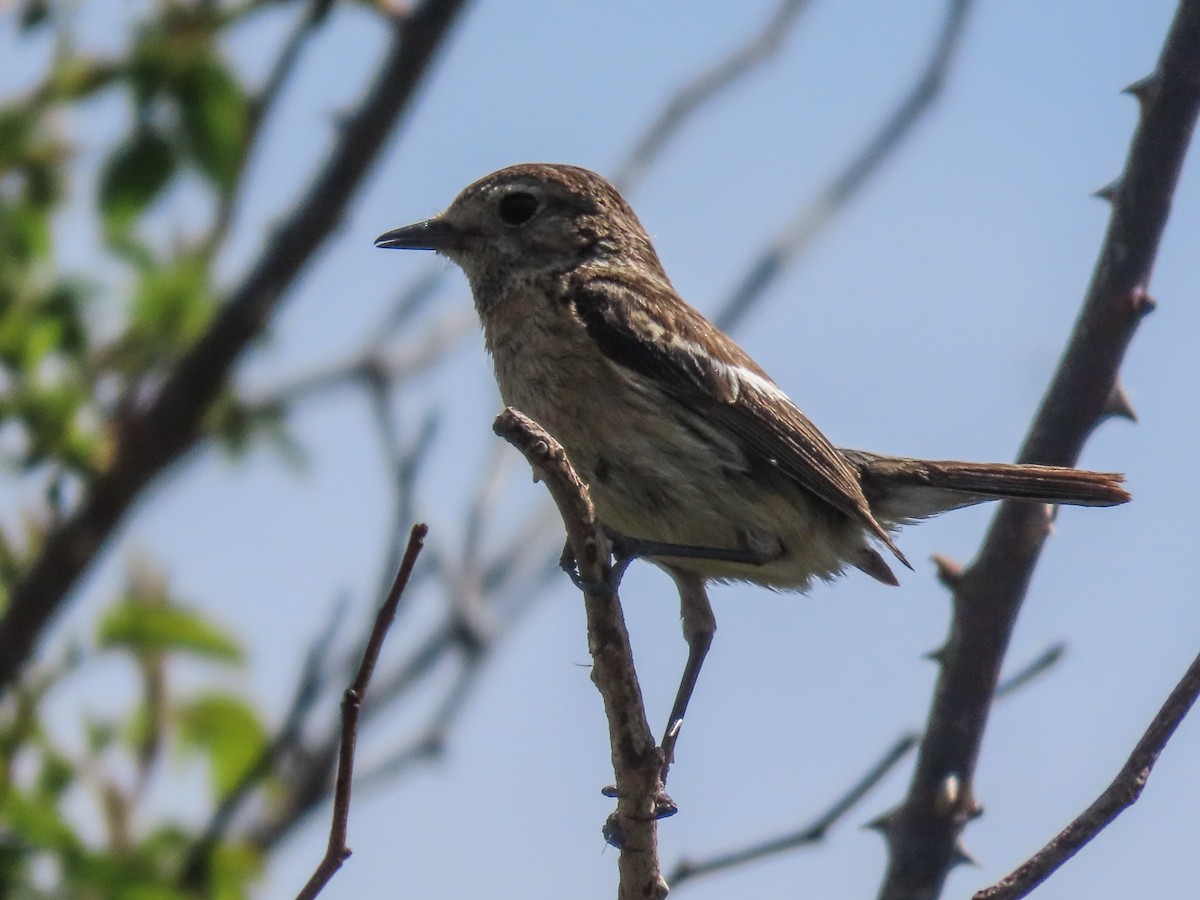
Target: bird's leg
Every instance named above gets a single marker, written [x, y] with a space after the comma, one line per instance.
[699, 625]
[626, 549]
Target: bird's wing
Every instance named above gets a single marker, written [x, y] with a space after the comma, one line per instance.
[646, 328]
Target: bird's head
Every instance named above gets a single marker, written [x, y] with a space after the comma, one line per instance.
[528, 222]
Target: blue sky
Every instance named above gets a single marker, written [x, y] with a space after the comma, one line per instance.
[925, 321]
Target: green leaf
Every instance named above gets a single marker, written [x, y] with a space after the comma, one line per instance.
[24, 233]
[135, 174]
[76, 77]
[240, 426]
[141, 627]
[234, 867]
[37, 822]
[100, 736]
[171, 308]
[54, 429]
[56, 775]
[18, 126]
[229, 731]
[214, 114]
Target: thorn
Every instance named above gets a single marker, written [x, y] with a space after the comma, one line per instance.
[949, 572]
[1110, 191]
[1143, 304]
[1117, 405]
[1145, 89]
[937, 655]
[962, 857]
[884, 823]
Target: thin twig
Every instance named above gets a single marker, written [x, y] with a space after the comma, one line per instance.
[923, 835]
[309, 787]
[701, 89]
[432, 741]
[1122, 793]
[687, 870]
[1049, 658]
[795, 238]
[637, 761]
[812, 833]
[394, 362]
[336, 851]
[260, 107]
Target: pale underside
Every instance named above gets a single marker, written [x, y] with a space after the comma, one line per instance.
[656, 469]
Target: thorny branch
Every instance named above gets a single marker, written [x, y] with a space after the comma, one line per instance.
[1122, 793]
[637, 761]
[509, 569]
[923, 832]
[337, 852]
[517, 570]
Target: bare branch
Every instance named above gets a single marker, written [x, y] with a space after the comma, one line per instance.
[154, 437]
[1017, 680]
[815, 832]
[393, 362]
[637, 762]
[923, 839]
[685, 102]
[430, 743]
[796, 236]
[809, 834]
[260, 108]
[1122, 793]
[337, 852]
[309, 785]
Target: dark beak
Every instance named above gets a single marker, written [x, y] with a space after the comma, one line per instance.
[432, 234]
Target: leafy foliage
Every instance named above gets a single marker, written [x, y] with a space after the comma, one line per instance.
[75, 352]
[42, 780]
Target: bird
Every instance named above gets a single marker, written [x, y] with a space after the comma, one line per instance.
[690, 451]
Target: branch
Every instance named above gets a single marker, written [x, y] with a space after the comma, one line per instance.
[337, 852]
[685, 102]
[816, 832]
[637, 761]
[154, 437]
[260, 107]
[393, 362]
[923, 834]
[1124, 791]
[810, 834]
[796, 236]
[308, 690]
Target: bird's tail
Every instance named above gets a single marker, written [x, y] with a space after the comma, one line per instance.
[901, 490]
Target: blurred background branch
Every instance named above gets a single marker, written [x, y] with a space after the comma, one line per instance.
[110, 378]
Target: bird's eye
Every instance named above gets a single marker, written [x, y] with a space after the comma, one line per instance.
[517, 208]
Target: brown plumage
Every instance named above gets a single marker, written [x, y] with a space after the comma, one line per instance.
[684, 440]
